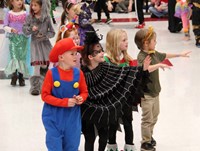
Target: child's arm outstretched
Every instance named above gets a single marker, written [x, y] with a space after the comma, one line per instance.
[156, 66]
[163, 66]
[182, 54]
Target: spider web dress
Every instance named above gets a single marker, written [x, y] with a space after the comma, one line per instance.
[110, 88]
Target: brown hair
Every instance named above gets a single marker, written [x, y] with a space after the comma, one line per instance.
[39, 2]
[10, 6]
[88, 50]
[144, 35]
[68, 6]
[112, 46]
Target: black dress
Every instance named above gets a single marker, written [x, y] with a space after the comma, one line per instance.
[110, 88]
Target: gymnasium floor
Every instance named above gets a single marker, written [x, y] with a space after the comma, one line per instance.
[179, 121]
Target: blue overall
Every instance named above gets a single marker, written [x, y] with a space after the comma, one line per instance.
[63, 125]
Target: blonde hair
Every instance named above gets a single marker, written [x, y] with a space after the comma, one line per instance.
[10, 6]
[144, 35]
[113, 51]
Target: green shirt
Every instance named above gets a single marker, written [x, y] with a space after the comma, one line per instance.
[154, 87]
[122, 64]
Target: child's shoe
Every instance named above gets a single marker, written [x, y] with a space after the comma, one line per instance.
[14, 79]
[129, 147]
[147, 147]
[98, 21]
[112, 147]
[36, 84]
[187, 36]
[153, 141]
[108, 21]
[21, 80]
[43, 70]
[140, 26]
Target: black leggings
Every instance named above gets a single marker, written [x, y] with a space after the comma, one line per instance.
[128, 128]
[101, 4]
[89, 134]
[139, 9]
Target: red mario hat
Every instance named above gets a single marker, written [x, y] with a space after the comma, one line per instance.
[62, 46]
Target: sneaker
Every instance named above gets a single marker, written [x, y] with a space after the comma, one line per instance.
[98, 21]
[153, 141]
[147, 147]
[129, 148]
[140, 26]
[108, 21]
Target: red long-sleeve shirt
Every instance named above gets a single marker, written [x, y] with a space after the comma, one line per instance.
[65, 75]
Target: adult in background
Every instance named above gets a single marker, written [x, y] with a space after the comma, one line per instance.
[174, 23]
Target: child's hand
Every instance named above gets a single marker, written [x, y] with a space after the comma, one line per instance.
[79, 99]
[72, 102]
[14, 31]
[185, 54]
[146, 63]
[163, 66]
[34, 28]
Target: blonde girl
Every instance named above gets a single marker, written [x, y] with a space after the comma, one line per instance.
[117, 46]
[116, 53]
[38, 25]
[13, 23]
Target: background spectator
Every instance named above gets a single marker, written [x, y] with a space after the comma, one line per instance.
[123, 6]
[158, 8]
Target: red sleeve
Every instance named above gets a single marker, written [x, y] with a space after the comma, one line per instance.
[133, 63]
[47, 95]
[83, 86]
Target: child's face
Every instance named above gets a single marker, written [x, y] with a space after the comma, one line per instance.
[17, 4]
[123, 44]
[75, 37]
[152, 43]
[98, 53]
[71, 12]
[69, 58]
[35, 7]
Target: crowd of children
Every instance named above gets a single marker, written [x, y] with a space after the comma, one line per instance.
[86, 89]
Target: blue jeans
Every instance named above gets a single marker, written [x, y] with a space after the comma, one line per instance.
[154, 11]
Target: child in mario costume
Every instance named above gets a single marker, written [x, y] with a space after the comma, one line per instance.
[63, 90]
